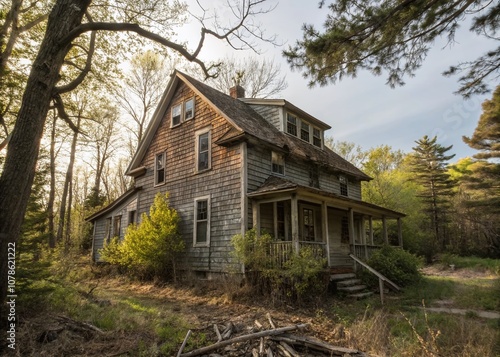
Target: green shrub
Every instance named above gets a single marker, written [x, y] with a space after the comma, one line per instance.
[149, 249]
[396, 264]
[300, 278]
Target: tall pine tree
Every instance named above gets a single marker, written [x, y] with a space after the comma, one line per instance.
[429, 166]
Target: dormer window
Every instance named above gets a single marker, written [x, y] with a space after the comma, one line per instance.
[343, 186]
[317, 137]
[304, 131]
[291, 124]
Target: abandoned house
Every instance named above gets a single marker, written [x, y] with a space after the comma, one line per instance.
[231, 163]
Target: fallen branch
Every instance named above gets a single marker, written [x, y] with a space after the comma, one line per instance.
[184, 343]
[243, 338]
[316, 344]
[217, 332]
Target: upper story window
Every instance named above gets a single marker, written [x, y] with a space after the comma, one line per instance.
[176, 114]
[343, 186]
[291, 124]
[203, 150]
[278, 163]
[304, 131]
[189, 109]
[160, 169]
[317, 137]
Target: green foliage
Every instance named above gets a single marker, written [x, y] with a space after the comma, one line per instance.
[302, 277]
[396, 264]
[394, 37]
[150, 248]
[475, 263]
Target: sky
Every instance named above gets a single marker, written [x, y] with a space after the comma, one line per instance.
[365, 110]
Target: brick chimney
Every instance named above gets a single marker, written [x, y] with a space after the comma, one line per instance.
[237, 92]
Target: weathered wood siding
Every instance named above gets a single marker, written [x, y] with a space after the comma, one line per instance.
[184, 184]
[272, 113]
[296, 170]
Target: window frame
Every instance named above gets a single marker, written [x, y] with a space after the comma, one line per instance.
[317, 137]
[304, 124]
[206, 198]
[108, 229]
[156, 181]
[132, 217]
[276, 158]
[343, 186]
[117, 226]
[311, 224]
[184, 114]
[198, 135]
[180, 106]
[289, 123]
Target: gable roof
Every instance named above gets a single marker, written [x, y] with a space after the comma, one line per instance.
[130, 193]
[246, 122]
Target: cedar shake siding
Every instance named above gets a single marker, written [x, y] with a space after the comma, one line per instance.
[184, 183]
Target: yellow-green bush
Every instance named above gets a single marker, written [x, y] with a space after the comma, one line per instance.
[149, 249]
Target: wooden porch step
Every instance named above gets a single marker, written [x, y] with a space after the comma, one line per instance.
[359, 296]
[348, 282]
[344, 276]
[352, 289]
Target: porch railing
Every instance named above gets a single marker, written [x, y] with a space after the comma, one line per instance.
[360, 252]
[281, 252]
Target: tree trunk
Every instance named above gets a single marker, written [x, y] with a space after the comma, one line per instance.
[52, 192]
[19, 168]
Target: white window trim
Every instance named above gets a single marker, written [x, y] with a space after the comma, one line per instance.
[195, 221]
[164, 153]
[197, 149]
[181, 105]
[183, 116]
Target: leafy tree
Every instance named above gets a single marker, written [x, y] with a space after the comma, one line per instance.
[429, 164]
[394, 36]
[348, 150]
[150, 248]
[71, 24]
[261, 79]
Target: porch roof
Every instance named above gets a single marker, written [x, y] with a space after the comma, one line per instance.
[278, 188]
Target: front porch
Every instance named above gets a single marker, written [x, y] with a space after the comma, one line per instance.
[332, 226]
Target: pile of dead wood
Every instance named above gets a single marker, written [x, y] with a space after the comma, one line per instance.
[256, 341]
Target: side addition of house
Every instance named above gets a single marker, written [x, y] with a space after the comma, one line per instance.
[230, 164]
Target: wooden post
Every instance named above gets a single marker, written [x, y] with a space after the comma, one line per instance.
[350, 215]
[324, 220]
[371, 230]
[400, 232]
[363, 232]
[256, 217]
[295, 223]
[384, 230]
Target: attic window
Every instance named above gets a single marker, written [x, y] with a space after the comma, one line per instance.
[176, 114]
[189, 109]
[317, 137]
[291, 125]
[343, 185]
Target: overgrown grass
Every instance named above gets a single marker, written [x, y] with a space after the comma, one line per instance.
[481, 264]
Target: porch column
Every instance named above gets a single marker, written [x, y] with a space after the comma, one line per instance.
[363, 239]
[371, 230]
[400, 232]
[350, 216]
[256, 217]
[324, 220]
[295, 222]
[384, 230]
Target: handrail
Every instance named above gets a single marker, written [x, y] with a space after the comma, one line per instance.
[373, 271]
